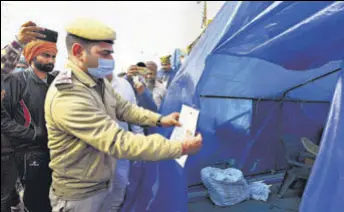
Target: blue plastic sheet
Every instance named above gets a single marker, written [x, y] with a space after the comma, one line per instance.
[237, 74]
[324, 191]
[305, 34]
[255, 78]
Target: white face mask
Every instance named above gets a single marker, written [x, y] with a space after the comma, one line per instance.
[105, 68]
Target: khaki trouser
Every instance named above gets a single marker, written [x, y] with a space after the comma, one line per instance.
[95, 203]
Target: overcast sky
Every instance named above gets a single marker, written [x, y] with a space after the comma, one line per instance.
[145, 30]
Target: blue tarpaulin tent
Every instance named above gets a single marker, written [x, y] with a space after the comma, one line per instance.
[260, 70]
[325, 187]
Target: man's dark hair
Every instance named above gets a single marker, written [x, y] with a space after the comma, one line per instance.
[72, 39]
[141, 64]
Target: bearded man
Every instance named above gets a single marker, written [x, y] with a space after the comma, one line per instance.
[24, 122]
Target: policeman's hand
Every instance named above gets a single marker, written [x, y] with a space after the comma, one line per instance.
[192, 145]
[139, 87]
[28, 32]
[171, 120]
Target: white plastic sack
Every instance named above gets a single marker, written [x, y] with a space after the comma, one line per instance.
[259, 191]
[225, 186]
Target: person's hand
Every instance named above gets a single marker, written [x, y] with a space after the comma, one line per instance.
[171, 120]
[28, 32]
[192, 144]
[132, 70]
[139, 87]
[3, 92]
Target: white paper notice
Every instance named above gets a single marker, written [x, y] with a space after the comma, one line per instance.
[188, 118]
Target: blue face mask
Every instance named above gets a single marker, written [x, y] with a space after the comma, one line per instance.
[105, 68]
[18, 70]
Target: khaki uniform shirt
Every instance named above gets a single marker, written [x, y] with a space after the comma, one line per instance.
[84, 138]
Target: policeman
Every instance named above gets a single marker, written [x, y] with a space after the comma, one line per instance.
[82, 111]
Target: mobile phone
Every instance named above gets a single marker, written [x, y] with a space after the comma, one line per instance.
[51, 35]
[138, 79]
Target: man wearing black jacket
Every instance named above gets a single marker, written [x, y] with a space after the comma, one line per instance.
[10, 55]
[24, 124]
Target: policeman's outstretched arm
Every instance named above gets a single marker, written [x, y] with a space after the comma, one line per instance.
[84, 120]
[136, 115]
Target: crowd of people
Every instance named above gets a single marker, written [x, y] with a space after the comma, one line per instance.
[71, 136]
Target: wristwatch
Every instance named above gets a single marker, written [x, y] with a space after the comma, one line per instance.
[158, 123]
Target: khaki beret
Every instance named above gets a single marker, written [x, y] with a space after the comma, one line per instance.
[91, 29]
[165, 59]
